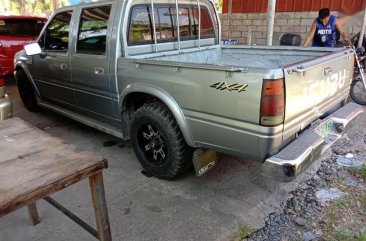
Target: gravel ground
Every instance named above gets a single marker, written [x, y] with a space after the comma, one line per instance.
[322, 208]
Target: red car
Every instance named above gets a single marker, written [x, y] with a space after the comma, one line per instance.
[15, 32]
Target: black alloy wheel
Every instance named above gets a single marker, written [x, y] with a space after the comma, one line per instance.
[151, 140]
[158, 142]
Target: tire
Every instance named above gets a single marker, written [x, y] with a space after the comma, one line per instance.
[358, 92]
[158, 142]
[26, 92]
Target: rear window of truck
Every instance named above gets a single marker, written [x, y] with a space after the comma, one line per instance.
[141, 24]
[21, 27]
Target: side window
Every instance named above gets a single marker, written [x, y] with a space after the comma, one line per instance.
[92, 34]
[163, 23]
[184, 22]
[56, 36]
[140, 25]
[207, 28]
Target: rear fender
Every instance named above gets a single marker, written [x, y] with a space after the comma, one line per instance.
[164, 97]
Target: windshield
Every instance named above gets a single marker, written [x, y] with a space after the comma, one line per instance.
[20, 27]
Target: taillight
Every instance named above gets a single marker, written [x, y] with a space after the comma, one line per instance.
[273, 103]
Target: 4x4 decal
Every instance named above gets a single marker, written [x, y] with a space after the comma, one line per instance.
[230, 87]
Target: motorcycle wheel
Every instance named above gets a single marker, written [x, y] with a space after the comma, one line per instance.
[358, 92]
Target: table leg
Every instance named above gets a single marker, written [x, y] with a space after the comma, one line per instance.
[33, 213]
[100, 207]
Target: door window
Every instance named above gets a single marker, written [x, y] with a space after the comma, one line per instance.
[56, 35]
[92, 36]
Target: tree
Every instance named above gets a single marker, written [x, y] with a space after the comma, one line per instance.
[31, 7]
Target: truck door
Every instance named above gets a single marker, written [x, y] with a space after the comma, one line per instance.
[51, 70]
[90, 62]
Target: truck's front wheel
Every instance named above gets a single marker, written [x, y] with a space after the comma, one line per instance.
[26, 91]
[158, 142]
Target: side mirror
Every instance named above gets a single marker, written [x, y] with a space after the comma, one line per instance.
[32, 49]
[360, 50]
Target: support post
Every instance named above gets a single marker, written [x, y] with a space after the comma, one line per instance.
[270, 20]
[100, 207]
[33, 213]
[154, 26]
[229, 14]
[362, 34]
[178, 23]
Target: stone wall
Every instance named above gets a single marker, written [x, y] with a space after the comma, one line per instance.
[240, 25]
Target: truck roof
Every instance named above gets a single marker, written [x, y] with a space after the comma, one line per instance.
[22, 17]
[137, 1]
[85, 4]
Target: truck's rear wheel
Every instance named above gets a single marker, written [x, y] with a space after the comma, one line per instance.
[358, 92]
[158, 142]
[26, 91]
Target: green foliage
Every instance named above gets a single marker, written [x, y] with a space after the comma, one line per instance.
[359, 172]
[244, 232]
[347, 236]
[335, 211]
[219, 5]
[362, 172]
[31, 7]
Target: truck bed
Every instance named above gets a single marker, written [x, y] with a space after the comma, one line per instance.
[243, 56]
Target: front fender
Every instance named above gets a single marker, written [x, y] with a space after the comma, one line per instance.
[166, 99]
[21, 65]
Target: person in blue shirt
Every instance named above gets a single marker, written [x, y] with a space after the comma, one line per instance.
[323, 32]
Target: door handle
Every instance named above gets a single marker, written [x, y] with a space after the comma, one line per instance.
[63, 66]
[98, 71]
[328, 71]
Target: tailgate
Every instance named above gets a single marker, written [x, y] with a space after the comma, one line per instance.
[315, 86]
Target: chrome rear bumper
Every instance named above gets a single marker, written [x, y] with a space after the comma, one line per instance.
[299, 154]
[6, 108]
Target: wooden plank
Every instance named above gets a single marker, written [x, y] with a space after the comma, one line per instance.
[34, 164]
[30, 197]
[33, 213]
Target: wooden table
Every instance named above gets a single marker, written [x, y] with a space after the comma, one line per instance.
[34, 165]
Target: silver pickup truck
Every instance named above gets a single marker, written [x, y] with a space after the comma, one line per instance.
[153, 71]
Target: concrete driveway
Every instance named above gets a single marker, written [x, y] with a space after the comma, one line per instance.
[232, 198]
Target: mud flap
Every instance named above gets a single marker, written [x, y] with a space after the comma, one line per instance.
[204, 160]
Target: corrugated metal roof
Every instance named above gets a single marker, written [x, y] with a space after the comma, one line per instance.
[260, 6]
